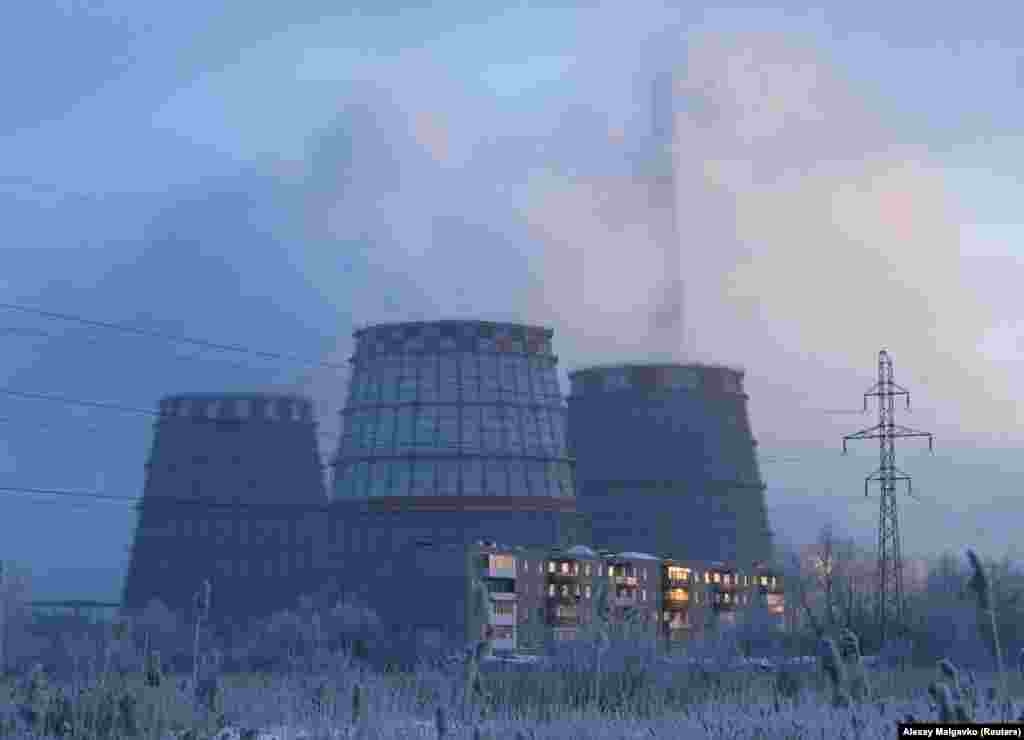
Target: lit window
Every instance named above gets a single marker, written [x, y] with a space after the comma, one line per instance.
[551, 566]
[764, 580]
[643, 594]
[565, 590]
[551, 590]
[503, 562]
[587, 591]
[577, 589]
[773, 581]
[707, 577]
[718, 578]
[611, 571]
[586, 569]
[600, 570]
[645, 574]
[565, 569]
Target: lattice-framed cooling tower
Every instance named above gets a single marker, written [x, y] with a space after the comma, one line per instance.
[454, 432]
[666, 462]
[234, 492]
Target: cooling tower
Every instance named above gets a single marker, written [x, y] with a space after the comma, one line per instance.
[666, 463]
[454, 432]
[233, 488]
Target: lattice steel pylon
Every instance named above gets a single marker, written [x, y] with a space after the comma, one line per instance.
[889, 605]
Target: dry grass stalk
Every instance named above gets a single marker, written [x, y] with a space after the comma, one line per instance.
[987, 624]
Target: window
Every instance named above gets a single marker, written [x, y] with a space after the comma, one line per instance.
[407, 380]
[551, 589]
[537, 479]
[380, 483]
[725, 579]
[447, 477]
[469, 376]
[644, 574]
[491, 429]
[643, 594]
[587, 591]
[423, 478]
[405, 429]
[707, 577]
[489, 381]
[600, 570]
[517, 478]
[472, 435]
[611, 571]
[773, 581]
[447, 428]
[717, 577]
[557, 428]
[586, 570]
[361, 479]
[578, 589]
[503, 608]
[524, 393]
[565, 589]
[546, 439]
[384, 442]
[387, 371]
[448, 379]
[531, 433]
[370, 391]
[675, 573]
[507, 378]
[510, 429]
[426, 429]
[368, 431]
[764, 580]
[497, 478]
[426, 368]
[401, 480]
[472, 477]
[564, 568]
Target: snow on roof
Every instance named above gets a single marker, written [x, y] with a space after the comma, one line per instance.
[637, 556]
[582, 550]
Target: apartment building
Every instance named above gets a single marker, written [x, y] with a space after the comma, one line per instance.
[536, 594]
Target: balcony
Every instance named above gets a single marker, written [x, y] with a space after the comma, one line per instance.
[560, 577]
[677, 597]
[493, 570]
[569, 598]
[557, 621]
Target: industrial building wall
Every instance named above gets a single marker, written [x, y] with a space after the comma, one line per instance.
[668, 465]
[233, 486]
[364, 540]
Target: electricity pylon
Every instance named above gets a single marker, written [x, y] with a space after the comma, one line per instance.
[889, 604]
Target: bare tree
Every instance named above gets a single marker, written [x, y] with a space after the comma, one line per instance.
[14, 584]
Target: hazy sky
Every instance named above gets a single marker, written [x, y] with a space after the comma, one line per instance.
[275, 175]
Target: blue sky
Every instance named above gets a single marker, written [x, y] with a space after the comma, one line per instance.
[272, 175]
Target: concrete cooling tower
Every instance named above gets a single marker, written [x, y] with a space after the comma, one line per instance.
[666, 463]
[454, 432]
[230, 480]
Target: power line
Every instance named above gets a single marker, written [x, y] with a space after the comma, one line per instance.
[177, 338]
[159, 500]
[106, 406]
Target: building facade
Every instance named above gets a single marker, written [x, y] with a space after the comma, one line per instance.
[665, 461]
